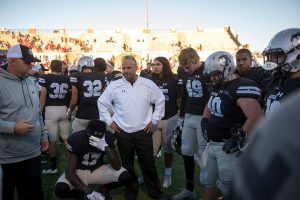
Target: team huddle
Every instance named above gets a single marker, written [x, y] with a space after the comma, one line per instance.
[206, 113]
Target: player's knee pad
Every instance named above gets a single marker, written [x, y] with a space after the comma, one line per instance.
[125, 177]
[62, 190]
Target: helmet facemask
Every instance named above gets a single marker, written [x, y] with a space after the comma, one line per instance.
[216, 78]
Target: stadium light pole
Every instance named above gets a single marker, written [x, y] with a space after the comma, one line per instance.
[147, 14]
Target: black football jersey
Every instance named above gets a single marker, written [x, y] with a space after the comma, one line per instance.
[58, 87]
[146, 73]
[89, 157]
[117, 75]
[261, 77]
[278, 92]
[90, 86]
[170, 89]
[225, 112]
[257, 74]
[109, 78]
[195, 94]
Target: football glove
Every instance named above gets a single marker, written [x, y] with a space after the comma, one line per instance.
[236, 141]
[231, 145]
[99, 143]
[240, 134]
[204, 125]
[95, 196]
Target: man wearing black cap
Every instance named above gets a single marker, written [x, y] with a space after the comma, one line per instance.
[22, 132]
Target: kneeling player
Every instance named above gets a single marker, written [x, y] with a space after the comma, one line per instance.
[85, 164]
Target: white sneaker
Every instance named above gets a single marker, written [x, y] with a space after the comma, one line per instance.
[184, 194]
[167, 181]
[49, 171]
[141, 179]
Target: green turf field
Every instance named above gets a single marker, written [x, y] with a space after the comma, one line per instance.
[178, 178]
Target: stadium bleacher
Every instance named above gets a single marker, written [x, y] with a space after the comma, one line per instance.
[59, 44]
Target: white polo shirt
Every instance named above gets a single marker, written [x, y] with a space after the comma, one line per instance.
[132, 103]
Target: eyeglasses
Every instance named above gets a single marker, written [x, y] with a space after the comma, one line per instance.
[128, 57]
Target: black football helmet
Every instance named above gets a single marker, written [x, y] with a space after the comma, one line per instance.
[96, 128]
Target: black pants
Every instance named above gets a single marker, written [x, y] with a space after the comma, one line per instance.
[140, 143]
[26, 177]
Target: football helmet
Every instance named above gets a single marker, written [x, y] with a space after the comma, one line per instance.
[85, 61]
[219, 65]
[73, 68]
[96, 128]
[283, 51]
[176, 140]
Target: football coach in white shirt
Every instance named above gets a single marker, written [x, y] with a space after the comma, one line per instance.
[138, 105]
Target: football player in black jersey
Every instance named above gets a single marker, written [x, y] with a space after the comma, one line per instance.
[282, 56]
[110, 70]
[269, 168]
[231, 112]
[87, 87]
[55, 88]
[244, 69]
[168, 83]
[100, 66]
[194, 99]
[73, 69]
[85, 165]
[147, 73]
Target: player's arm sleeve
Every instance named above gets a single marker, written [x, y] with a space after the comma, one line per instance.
[248, 91]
